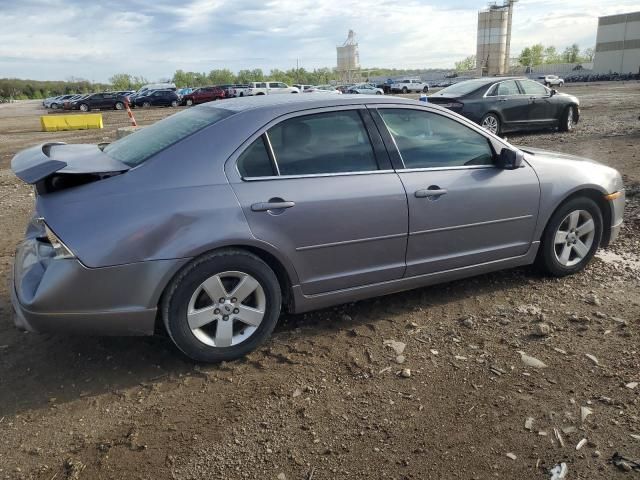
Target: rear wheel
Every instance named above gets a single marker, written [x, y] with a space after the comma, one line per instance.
[571, 238]
[146, 104]
[174, 103]
[491, 122]
[222, 306]
[567, 119]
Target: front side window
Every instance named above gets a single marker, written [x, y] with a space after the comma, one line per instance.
[429, 140]
[332, 142]
[533, 88]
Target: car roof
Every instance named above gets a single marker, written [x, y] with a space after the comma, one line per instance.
[296, 102]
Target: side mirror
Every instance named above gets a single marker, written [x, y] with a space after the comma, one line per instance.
[510, 159]
[553, 92]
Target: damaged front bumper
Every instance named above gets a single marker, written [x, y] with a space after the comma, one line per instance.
[62, 295]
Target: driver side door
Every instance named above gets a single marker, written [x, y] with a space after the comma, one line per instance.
[463, 209]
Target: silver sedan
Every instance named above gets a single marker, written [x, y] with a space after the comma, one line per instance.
[211, 222]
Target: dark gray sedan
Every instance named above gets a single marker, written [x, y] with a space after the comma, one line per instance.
[211, 222]
[504, 104]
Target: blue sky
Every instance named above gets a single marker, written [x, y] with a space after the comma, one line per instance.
[58, 39]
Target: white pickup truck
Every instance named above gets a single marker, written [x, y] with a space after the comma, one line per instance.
[270, 88]
[409, 85]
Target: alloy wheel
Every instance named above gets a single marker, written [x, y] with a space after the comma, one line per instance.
[490, 123]
[226, 309]
[574, 238]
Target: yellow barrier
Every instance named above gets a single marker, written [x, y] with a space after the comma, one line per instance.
[54, 123]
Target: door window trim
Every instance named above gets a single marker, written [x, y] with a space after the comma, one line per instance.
[397, 155]
[375, 140]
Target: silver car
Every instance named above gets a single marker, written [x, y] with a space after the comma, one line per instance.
[211, 222]
[365, 89]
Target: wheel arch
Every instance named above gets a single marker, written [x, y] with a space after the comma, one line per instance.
[283, 274]
[598, 197]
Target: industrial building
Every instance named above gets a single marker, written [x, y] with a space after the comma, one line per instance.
[348, 59]
[618, 44]
[494, 38]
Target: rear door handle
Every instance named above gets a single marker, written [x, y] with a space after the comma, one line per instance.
[430, 192]
[266, 206]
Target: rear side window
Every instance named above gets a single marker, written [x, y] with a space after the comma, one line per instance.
[135, 149]
[428, 140]
[333, 142]
[255, 160]
[508, 88]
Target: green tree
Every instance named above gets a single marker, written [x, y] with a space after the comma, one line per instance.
[221, 77]
[571, 54]
[468, 63]
[588, 54]
[532, 55]
[551, 55]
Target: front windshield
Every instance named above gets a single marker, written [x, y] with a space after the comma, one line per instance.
[134, 149]
[463, 88]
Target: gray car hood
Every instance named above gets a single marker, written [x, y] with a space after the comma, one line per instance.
[549, 155]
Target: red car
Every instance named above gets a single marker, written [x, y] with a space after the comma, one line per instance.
[203, 95]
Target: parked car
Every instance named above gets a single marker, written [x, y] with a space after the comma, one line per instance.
[366, 89]
[229, 90]
[323, 89]
[96, 101]
[301, 86]
[66, 105]
[184, 91]
[242, 90]
[551, 80]
[344, 88]
[502, 104]
[203, 95]
[158, 98]
[409, 85]
[270, 88]
[289, 204]
[57, 102]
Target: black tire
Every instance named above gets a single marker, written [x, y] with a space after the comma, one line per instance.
[378, 93]
[425, 90]
[178, 294]
[563, 122]
[405, 90]
[174, 103]
[84, 107]
[146, 104]
[497, 120]
[189, 102]
[119, 106]
[260, 93]
[54, 106]
[547, 260]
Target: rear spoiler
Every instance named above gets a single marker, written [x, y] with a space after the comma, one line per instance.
[37, 163]
[33, 164]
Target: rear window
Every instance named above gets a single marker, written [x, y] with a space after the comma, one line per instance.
[135, 149]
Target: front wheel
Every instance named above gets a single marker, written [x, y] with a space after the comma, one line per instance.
[119, 105]
[567, 119]
[84, 107]
[54, 106]
[491, 122]
[571, 238]
[405, 90]
[146, 104]
[425, 90]
[189, 102]
[222, 306]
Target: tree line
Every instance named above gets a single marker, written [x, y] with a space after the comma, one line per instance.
[538, 54]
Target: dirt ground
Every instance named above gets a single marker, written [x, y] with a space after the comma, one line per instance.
[324, 399]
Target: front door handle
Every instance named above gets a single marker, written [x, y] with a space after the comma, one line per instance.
[430, 192]
[271, 205]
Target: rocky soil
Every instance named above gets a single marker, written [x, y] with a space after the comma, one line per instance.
[504, 375]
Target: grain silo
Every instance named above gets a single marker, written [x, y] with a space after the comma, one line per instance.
[494, 38]
[348, 58]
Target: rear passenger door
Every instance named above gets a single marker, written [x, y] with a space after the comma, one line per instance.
[510, 103]
[320, 188]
